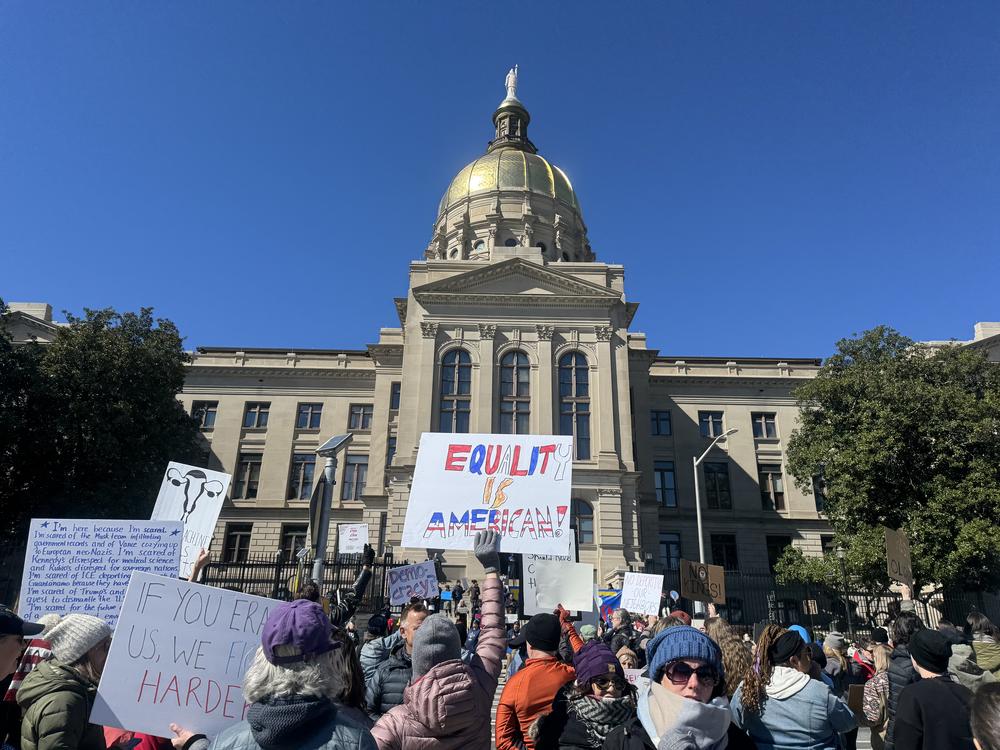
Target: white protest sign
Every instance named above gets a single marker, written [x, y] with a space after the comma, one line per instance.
[568, 583]
[418, 580]
[531, 606]
[83, 565]
[641, 593]
[194, 496]
[179, 655]
[637, 678]
[518, 485]
[352, 537]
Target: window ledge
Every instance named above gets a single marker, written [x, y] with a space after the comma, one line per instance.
[260, 430]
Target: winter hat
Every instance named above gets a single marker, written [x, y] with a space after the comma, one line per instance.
[74, 635]
[588, 633]
[787, 645]
[880, 635]
[11, 624]
[377, 625]
[434, 642]
[835, 640]
[626, 653]
[595, 660]
[295, 631]
[801, 631]
[681, 642]
[681, 615]
[931, 650]
[542, 631]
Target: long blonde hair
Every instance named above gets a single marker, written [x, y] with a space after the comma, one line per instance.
[832, 653]
[880, 657]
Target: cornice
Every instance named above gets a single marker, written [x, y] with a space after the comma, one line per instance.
[281, 372]
[401, 303]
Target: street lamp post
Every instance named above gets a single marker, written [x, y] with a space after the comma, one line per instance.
[697, 489]
[321, 533]
[842, 557]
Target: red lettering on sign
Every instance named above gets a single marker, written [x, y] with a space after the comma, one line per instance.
[457, 455]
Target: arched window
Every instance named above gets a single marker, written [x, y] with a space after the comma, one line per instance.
[574, 401]
[515, 394]
[456, 391]
[581, 519]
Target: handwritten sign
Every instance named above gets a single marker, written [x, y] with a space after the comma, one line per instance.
[528, 562]
[179, 655]
[83, 565]
[194, 496]
[352, 537]
[406, 581]
[897, 552]
[557, 582]
[518, 485]
[641, 593]
[703, 583]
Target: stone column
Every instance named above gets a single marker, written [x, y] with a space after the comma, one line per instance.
[428, 368]
[604, 409]
[482, 396]
[547, 395]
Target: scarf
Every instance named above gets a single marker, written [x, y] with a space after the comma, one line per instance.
[601, 716]
[676, 723]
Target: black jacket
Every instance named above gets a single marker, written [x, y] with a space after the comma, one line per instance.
[385, 689]
[932, 714]
[344, 611]
[632, 736]
[621, 638]
[901, 674]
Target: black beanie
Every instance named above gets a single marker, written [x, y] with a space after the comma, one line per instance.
[930, 649]
[880, 635]
[789, 644]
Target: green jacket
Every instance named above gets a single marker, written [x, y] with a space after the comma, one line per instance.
[56, 701]
[987, 656]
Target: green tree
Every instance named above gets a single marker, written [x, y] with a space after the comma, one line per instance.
[907, 437]
[89, 421]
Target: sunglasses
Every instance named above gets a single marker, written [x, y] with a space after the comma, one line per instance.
[680, 674]
[604, 683]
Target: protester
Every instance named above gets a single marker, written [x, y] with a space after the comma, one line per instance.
[683, 704]
[986, 717]
[681, 615]
[962, 665]
[622, 633]
[985, 642]
[386, 685]
[462, 625]
[351, 630]
[901, 672]
[735, 658]
[531, 691]
[475, 596]
[448, 704]
[780, 706]
[586, 710]
[13, 631]
[588, 633]
[309, 590]
[864, 660]
[627, 658]
[351, 699]
[344, 610]
[473, 635]
[934, 712]
[58, 695]
[876, 697]
[457, 591]
[844, 672]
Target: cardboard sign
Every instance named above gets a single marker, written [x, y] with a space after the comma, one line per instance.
[641, 593]
[703, 583]
[179, 655]
[530, 604]
[193, 496]
[856, 699]
[518, 485]
[83, 565]
[352, 537]
[897, 552]
[556, 582]
[407, 581]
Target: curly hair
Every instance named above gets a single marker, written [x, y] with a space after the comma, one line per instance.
[735, 657]
[759, 675]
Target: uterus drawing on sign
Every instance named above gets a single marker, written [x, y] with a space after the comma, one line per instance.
[195, 485]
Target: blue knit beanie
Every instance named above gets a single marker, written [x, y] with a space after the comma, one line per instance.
[681, 642]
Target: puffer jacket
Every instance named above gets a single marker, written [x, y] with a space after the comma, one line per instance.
[56, 701]
[385, 689]
[376, 651]
[449, 707]
[988, 656]
[291, 724]
[901, 674]
[963, 667]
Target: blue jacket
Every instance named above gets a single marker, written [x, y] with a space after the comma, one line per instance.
[377, 651]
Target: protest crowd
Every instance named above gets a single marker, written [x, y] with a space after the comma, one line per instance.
[428, 680]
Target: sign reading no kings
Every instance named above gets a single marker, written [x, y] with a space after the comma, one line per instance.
[518, 485]
[703, 583]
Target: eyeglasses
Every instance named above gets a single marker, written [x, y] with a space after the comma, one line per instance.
[680, 674]
[603, 683]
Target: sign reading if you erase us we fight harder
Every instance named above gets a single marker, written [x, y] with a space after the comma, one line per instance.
[518, 485]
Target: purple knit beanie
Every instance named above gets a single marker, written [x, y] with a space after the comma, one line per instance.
[596, 660]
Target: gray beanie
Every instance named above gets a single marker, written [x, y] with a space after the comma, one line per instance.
[435, 641]
[74, 635]
[835, 640]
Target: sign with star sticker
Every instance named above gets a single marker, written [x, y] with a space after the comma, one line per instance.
[84, 565]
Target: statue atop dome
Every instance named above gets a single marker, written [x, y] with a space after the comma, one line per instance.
[511, 83]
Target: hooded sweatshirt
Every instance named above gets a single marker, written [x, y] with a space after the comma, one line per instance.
[56, 702]
[963, 667]
[799, 713]
[987, 655]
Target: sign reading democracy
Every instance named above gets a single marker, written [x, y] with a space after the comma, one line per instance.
[179, 655]
[641, 593]
[193, 496]
[83, 565]
[703, 583]
[352, 537]
[518, 485]
[406, 581]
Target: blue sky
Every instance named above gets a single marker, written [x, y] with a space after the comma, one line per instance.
[773, 176]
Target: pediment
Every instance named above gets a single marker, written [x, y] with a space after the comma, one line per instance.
[515, 279]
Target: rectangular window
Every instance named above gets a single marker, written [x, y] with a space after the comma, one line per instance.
[255, 415]
[775, 548]
[670, 550]
[826, 541]
[355, 473]
[819, 492]
[237, 546]
[204, 412]
[772, 487]
[361, 417]
[764, 425]
[724, 551]
[710, 423]
[394, 391]
[309, 416]
[454, 415]
[300, 478]
[390, 450]
[247, 476]
[659, 423]
[293, 538]
[514, 416]
[666, 490]
[717, 486]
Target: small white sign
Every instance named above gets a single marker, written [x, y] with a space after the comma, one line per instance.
[568, 583]
[528, 562]
[179, 655]
[353, 537]
[193, 496]
[641, 593]
[83, 565]
[407, 581]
